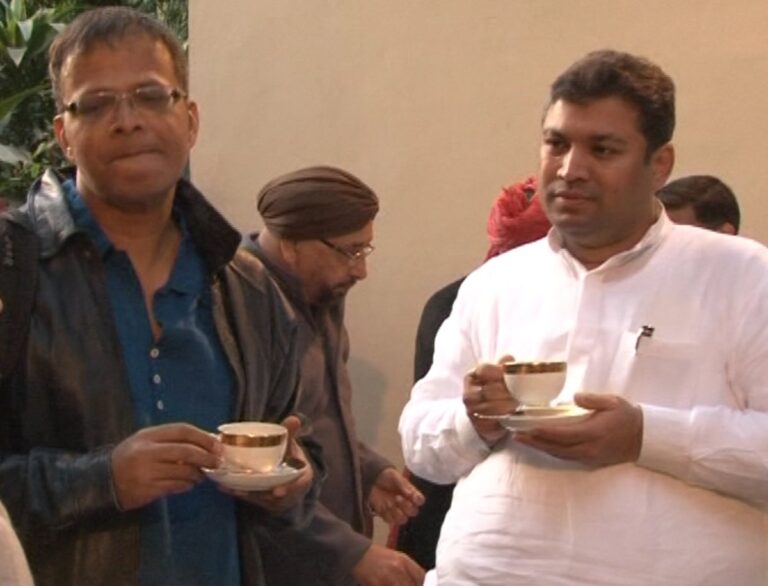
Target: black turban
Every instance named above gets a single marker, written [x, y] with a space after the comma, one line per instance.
[316, 202]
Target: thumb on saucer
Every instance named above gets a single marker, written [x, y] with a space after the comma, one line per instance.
[596, 401]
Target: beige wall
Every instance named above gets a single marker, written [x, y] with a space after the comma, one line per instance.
[436, 104]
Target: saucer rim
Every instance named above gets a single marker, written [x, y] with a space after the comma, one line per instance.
[243, 478]
[570, 414]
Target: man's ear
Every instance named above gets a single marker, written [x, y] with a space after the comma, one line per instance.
[662, 162]
[727, 228]
[61, 138]
[194, 121]
[288, 251]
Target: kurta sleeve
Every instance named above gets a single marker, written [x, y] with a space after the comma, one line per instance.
[720, 447]
[438, 439]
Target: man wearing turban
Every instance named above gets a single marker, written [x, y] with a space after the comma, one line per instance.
[318, 228]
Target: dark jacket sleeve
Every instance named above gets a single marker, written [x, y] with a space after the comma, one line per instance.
[52, 490]
[330, 547]
[262, 335]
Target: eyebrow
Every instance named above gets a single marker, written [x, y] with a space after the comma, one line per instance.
[595, 138]
[608, 138]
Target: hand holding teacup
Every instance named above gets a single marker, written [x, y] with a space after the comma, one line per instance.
[288, 495]
[485, 393]
[503, 388]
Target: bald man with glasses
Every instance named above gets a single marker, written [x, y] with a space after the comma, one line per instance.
[149, 328]
[318, 228]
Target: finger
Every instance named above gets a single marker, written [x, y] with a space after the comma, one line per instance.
[188, 454]
[596, 401]
[293, 424]
[416, 496]
[485, 373]
[180, 433]
[408, 509]
[415, 572]
[506, 358]
[169, 472]
[398, 517]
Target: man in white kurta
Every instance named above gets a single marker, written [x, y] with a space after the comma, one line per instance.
[667, 482]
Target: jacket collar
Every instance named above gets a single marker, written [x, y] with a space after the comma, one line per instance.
[289, 284]
[47, 214]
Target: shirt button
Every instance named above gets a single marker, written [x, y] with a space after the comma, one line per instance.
[156, 379]
[160, 405]
[154, 353]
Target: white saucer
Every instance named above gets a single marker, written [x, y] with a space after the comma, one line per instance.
[530, 417]
[248, 480]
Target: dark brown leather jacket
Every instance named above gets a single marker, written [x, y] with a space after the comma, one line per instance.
[68, 401]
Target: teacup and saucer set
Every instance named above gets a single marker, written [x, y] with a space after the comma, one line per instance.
[254, 457]
[535, 385]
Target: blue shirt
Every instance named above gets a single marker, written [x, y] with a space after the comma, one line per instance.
[191, 538]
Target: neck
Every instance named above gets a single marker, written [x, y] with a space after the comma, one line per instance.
[593, 254]
[149, 237]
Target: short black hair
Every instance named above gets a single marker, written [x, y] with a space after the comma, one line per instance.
[712, 201]
[108, 25]
[643, 84]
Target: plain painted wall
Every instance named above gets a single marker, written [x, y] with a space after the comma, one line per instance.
[436, 104]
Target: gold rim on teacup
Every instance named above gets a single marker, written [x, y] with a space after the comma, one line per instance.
[242, 440]
[533, 367]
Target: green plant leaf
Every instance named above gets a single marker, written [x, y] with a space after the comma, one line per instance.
[16, 54]
[25, 26]
[42, 35]
[13, 155]
[9, 104]
[18, 9]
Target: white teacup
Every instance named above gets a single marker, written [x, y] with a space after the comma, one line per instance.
[253, 445]
[534, 383]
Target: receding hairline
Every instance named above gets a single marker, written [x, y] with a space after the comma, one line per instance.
[116, 44]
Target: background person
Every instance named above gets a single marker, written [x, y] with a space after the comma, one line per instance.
[665, 482]
[149, 329]
[317, 236]
[703, 201]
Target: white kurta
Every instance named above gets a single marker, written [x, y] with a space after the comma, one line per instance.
[692, 510]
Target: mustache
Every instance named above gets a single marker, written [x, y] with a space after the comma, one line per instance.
[562, 187]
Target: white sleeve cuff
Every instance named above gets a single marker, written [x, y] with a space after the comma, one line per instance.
[666, 440]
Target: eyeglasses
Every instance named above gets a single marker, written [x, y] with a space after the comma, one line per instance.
[155, 99]
[352, 257]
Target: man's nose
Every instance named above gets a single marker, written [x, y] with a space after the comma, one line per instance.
[574, 165]
[125, 115]
[359, 269]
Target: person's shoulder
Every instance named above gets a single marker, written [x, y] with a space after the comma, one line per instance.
[519, 257]
[714, 245]
[444, 295]
[251, 269]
